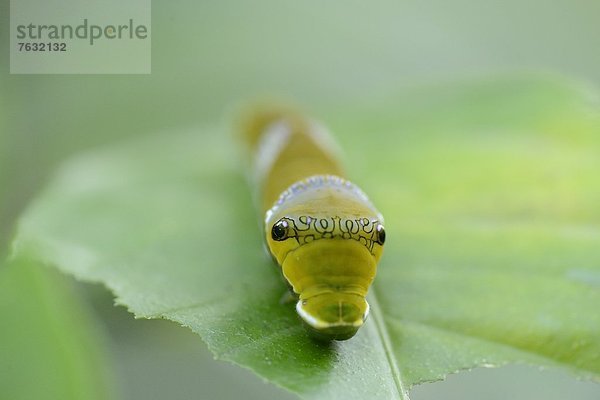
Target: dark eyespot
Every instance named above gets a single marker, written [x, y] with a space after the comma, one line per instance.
[279, 230]
[380, 234]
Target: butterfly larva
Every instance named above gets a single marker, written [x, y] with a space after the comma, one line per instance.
[321, 229]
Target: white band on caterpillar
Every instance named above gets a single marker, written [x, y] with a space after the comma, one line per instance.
[270, 145]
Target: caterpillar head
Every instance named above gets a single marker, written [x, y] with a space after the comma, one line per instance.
[333, 315]
[330, 264]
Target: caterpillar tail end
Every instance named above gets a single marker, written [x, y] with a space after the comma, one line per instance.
[254, 119]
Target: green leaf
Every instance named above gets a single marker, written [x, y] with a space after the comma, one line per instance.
[490, 194]
[50, 347]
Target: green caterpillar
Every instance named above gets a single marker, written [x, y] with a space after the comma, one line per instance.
[321, 229]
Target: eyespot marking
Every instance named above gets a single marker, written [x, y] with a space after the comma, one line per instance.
[380, 234]
[306, 229]
[279, 231]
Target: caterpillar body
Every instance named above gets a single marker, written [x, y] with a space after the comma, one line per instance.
[322, 230]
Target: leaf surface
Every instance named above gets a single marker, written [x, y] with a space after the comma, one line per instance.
[49, 346]
[490, 195]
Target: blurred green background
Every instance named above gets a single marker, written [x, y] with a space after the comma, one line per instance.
[327, 56]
